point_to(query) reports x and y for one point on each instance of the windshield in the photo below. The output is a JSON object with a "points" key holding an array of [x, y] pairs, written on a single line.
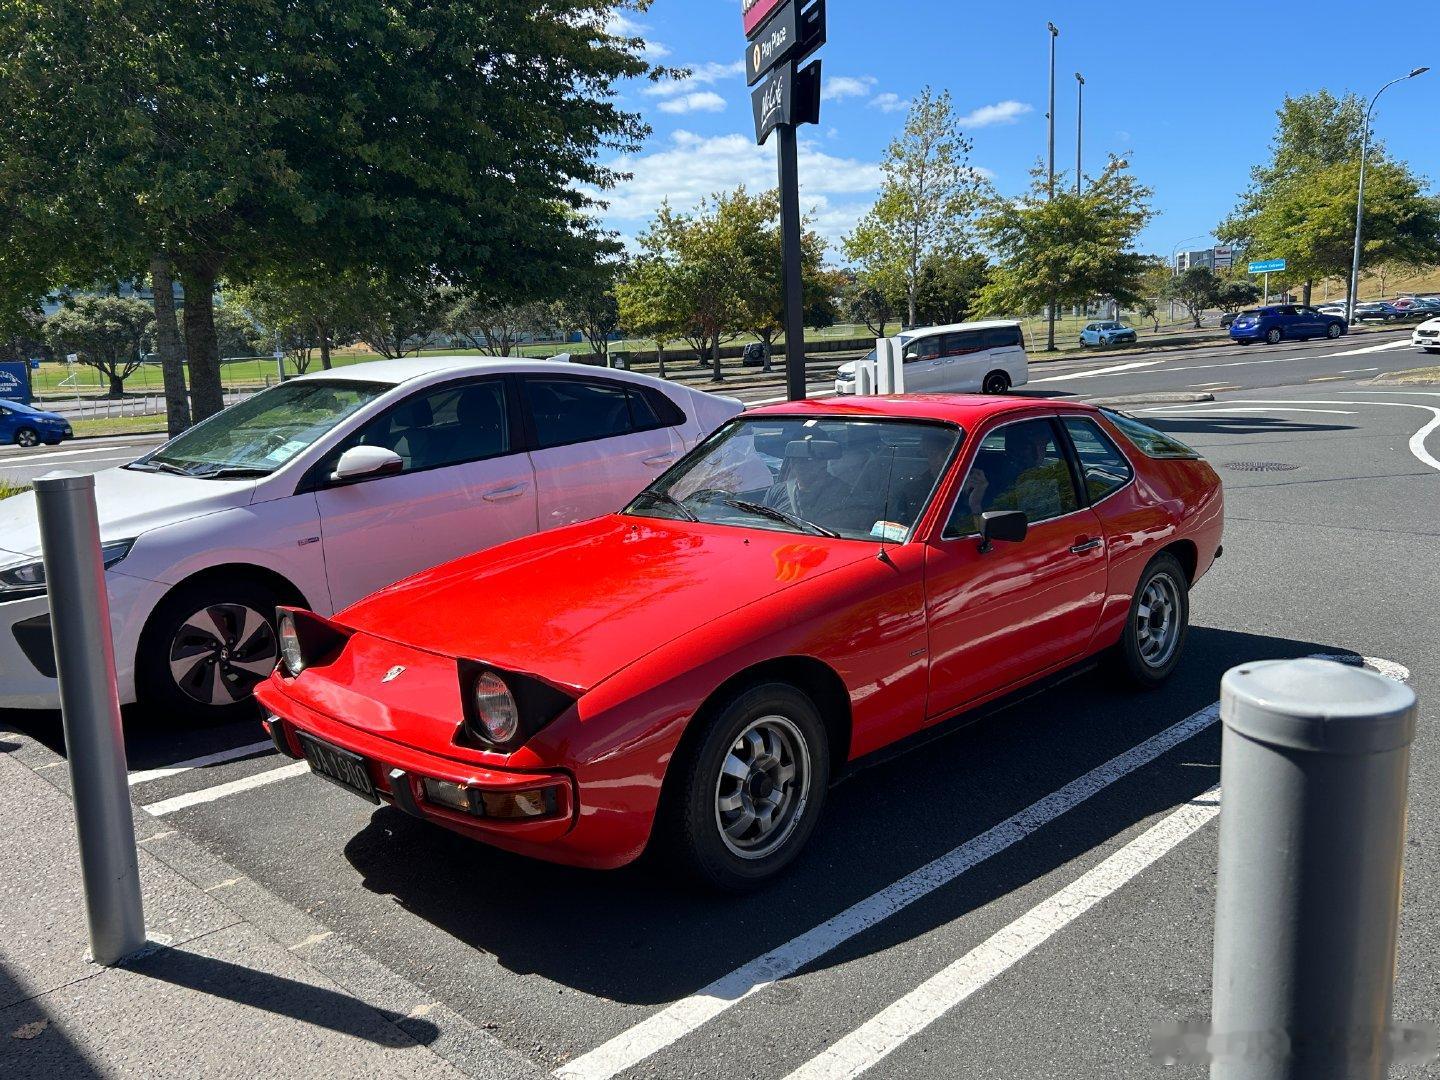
{"points": [[839, 477], [257, 436]]}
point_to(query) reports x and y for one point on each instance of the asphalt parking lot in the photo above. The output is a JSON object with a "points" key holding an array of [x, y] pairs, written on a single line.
{"points": [[1029, 896]]}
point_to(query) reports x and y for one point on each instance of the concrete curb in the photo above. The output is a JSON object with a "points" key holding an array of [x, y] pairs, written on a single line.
{"points": [[1158, 398], [460, 1043]]}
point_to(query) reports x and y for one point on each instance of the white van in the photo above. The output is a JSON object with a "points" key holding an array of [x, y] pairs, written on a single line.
{"points": [[977, 357]]}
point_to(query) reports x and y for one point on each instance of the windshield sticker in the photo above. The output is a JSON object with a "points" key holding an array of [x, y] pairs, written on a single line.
{"points": [[890, 530], [286, 450]]}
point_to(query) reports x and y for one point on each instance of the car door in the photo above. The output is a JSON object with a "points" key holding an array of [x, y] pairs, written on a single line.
{"points": [[998, 617], [1309, 322], [924, 365], [964, 361], [595, 442], [467, 484]]}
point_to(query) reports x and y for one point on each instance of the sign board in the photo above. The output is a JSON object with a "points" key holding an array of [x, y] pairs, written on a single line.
{"points": [[1268, 266], [787, 97], [1224, 258], [15, 381], [788, 35], [755, 12]]}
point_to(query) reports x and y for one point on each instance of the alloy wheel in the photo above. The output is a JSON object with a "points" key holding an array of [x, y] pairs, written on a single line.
{"points": [[27, 437], [221, 652], [1157, 620], [763, 787]]}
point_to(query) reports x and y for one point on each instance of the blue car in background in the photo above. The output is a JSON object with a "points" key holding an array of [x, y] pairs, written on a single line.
{"points": [[25, 425], [1285, 322], [1107, 333]]}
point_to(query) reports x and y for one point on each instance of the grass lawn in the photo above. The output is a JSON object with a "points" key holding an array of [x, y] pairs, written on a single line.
{"points": [[7, 489], [120, 425], [1413, 375]]}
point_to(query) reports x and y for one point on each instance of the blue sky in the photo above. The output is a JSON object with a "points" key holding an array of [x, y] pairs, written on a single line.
{"points": [[1189, 90]]}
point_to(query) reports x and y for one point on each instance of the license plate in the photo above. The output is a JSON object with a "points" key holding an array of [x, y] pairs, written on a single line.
{"points": [[338, 766]]}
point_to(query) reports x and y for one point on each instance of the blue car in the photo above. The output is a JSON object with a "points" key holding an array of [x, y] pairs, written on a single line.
{"points": [[1285, 322], [24, 425], [1101, 334]]}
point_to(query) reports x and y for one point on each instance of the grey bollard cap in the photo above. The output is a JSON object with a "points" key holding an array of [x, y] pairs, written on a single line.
{"points": [[63, 480], [1317, 705]]}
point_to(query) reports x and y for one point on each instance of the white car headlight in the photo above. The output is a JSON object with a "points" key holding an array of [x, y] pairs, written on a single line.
{"points": [[24, 579]]}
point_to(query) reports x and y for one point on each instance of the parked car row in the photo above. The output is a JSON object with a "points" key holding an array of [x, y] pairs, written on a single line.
{"points": [[1285, 322]]}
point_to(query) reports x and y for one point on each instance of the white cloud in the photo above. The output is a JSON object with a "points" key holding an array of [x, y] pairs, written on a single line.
{"points": [[704, 101], [1002, 112], [618, 25], [706, 74], [837, 190], [845, 86], [888, 102]]}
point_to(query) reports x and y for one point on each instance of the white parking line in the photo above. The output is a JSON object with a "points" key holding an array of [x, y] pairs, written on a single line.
{"points": [[1113, 370], [679, 1019], [868, 1044], [146, 775], [204, 795], [49, 455], [1385, 347]]}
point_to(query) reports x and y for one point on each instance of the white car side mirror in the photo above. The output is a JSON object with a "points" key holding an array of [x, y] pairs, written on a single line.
{"points": [[361, 461]]}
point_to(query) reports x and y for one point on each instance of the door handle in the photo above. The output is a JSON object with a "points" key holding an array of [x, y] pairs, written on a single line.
{"points": [[514, 491], [1086, 545], [661, 459]]}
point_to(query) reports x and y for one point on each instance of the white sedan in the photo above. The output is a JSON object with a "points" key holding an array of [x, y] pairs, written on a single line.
{"points": [[1427, 336], [326, 488]]}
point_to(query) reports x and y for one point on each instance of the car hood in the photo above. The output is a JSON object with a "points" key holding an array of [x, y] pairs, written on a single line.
{"points": [[575, 605], [1430, 324], [129, 503]]}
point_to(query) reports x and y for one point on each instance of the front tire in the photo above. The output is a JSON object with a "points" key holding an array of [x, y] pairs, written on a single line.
{"points": [[997, 382], [750, 789], [27, 437], [1273, 336], [1157, 623], [206, 646]]}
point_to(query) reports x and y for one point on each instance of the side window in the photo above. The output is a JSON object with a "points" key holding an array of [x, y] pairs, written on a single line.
{"points": [[650, 408], [1000, 337], [577, 410], [924, 349], [1148, 440], [442, 427], [963, 343], [1020, 466], [1105, 468]]}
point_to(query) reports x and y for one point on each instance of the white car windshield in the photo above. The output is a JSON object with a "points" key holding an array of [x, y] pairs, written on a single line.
{"points": [[257, 436], [832, 476]]}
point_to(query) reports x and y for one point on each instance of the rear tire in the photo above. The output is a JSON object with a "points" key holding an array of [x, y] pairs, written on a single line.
{"points": [[997, 382], [1156, 624], [1333, 331], [205, 648], [749, 790], [1273, 336], [27, 436]]}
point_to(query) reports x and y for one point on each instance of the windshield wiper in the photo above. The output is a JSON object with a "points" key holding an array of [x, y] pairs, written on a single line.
{"points": [[776, 514], [225, 471], [670, 500], [159, 466]]}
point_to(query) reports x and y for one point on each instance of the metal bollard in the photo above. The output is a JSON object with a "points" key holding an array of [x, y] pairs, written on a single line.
{"points": [[90, 707], [1312, 835]]}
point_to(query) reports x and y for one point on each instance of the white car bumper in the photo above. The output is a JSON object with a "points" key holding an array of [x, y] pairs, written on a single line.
{"points": [[844, 386], [1425, 339], [27, 658]]}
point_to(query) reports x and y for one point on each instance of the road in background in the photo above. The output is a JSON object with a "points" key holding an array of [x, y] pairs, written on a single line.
{"points": [[81, 455], [1030, 896]]}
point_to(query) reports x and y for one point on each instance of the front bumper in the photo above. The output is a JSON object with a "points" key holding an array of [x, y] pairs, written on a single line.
{"points": [[27, 659], [397, 772], [1425, 339], [844, 386]]}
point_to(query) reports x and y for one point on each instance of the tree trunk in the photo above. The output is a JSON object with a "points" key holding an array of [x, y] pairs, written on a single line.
{"points": [[324, 346], [715, 373], [202, 347], [1305, 295], [117, 385], [660, 357], [167, 344]]}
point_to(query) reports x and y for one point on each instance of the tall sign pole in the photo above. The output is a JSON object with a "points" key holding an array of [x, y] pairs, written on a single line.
{"points": [[1079, 126], [1050, 170], [780, 34]]}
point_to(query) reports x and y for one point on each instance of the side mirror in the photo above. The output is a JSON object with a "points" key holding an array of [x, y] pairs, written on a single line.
{"points": [[363, 461], [1008, 525]]}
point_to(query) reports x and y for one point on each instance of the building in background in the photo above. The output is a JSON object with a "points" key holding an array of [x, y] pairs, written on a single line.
{"points": [[1218, 259]]}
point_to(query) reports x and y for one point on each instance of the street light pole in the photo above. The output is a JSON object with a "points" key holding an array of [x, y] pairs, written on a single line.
{"points": [[1173, 271], [1079, 125], [1360, 193], [1050, 168]]}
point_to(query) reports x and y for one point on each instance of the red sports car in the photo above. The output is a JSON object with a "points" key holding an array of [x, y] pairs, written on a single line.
{"points": [[813, 582]]}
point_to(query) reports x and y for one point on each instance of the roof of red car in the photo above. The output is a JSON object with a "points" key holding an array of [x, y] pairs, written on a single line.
{"points": [[963, 409]]}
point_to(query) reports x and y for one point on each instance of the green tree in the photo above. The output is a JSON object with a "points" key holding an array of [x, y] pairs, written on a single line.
{"points": [[1068, 248], [590, 305], [1235, 293], [862, 301], [399, 316], [401, 141], [950, 287], [927, 196], [495, 326], [1153, 284], [307, 308], [108, 333], [1196, 290], [1300, 204], [647, 296], [754, 224]]}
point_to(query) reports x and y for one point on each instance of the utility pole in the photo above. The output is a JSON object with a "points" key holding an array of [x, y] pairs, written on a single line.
{"points": [[1079, 126], [1050, 168], [1360, 194]]}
